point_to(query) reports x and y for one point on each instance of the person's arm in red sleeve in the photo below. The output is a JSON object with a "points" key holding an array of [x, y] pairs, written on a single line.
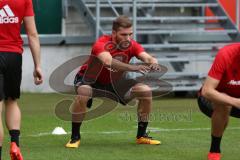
{"points": [[215, 74]]}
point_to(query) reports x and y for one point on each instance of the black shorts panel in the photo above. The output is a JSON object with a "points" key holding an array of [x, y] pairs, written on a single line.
{"points": [[206, 107], [10, 75], [115, 92]]}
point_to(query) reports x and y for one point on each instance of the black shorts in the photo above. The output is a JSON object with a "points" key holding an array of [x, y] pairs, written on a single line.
{"points": [[118, 92], [206, 107], [10, 75]]}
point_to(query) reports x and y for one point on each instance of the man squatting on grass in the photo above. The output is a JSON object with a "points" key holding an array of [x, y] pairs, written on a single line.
{"points": [[220, 95], [114, 52], [13, 13]]}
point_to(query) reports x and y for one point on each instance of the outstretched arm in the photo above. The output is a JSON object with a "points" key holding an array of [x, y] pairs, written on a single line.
{"points": [[30, 27], [209, 91], [108, 61], [147, 58]]}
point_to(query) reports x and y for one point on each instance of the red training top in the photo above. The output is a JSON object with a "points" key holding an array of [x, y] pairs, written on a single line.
{"points": [[226, 69], [102, 74], [12, 13]]}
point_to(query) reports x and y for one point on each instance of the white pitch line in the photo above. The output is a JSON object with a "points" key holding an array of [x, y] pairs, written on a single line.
{"points": [[124, 132]]}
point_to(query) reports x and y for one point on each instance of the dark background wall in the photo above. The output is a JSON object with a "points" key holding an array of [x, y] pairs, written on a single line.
{"points": [[48, 16]]}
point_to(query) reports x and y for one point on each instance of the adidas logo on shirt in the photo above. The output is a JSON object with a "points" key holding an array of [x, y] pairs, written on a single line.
{"points": [[7, 16]]}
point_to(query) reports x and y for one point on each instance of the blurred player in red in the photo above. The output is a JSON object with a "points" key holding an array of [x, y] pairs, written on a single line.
{"points": [[220, 94]]}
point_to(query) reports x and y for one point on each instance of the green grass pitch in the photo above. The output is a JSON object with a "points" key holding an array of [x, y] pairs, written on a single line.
{"points": [[178, 123]]}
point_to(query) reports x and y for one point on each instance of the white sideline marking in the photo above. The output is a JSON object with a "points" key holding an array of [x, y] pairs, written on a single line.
{"points": [[124, 132]]}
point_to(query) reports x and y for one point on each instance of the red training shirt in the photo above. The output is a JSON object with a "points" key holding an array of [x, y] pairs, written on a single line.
{"points": [[226, 69], [12, 13], [102, 74]]}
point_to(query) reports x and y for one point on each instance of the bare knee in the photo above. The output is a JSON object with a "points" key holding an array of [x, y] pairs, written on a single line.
{"points": [[142, 91], [84, 93]]}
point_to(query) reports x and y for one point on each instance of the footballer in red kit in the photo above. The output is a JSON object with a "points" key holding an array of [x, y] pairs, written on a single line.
{"points": [[14, 13], [103, 71], [125, 56], [219, 96]]}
